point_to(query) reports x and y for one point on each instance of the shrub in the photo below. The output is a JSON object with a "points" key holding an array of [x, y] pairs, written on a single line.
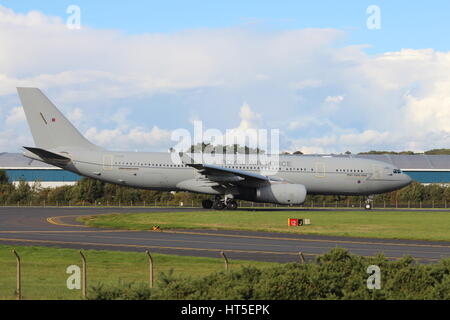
{"points": [[337, 275]]}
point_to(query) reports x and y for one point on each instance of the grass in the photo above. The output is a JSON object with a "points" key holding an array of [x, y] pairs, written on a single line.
{"points": [[418, 225], [44, 269]]}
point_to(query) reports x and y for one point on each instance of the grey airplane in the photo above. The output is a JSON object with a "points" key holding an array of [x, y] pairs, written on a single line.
{"points": [[59, 143]]}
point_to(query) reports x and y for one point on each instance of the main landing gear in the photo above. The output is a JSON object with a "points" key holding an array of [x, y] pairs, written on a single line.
{"points": [[220, 204]]}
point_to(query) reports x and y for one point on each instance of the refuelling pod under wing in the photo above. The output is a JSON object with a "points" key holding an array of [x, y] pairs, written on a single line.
{"points": [[282, 193]]}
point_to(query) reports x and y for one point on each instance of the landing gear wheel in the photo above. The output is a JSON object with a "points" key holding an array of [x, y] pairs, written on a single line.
{"points": [[219, 205], [232, 205], [369, 203], [207, 204]]}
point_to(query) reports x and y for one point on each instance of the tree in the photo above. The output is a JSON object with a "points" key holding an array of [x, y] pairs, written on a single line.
{"points": [[6, 188], [446, 194], [438, 151], [3, 177], [434, 192], [414, 192], [88, 190], [21, 193]]}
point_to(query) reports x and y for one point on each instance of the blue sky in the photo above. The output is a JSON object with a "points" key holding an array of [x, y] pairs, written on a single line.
{"points": [[405, 24], [138, 70]]}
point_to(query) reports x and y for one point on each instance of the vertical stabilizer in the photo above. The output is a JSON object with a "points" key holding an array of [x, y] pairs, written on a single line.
{"points": [[49, 127]]}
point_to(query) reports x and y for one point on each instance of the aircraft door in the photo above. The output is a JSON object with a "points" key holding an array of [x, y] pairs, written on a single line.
{"points": [[108, 160], [320, 170], [377, 172]]}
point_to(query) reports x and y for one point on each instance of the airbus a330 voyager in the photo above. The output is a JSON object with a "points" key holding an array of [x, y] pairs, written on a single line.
{"points": [[59, 143]]}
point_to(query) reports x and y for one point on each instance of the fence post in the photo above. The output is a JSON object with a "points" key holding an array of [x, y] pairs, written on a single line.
{"points": [[150, 262], [83, 259], [18, 277], [302, 257], [225, 260]]}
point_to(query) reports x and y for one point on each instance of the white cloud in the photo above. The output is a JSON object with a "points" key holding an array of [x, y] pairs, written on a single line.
{"points": [[306, 84], [249, 118], [247, 131], [323, 97], [311, 150], [76, 115], [368, 137], [15, 116], [334, 99], [133, 139]]}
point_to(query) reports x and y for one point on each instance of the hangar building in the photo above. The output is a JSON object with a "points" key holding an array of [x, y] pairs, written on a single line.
{"points": [[421, 167], [18, 168]]}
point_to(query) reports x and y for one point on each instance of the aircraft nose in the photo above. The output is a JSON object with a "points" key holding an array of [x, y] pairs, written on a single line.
{"points": [[407, 180]]}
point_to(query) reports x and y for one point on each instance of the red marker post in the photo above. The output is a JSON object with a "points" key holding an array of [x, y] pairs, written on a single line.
{"points": [[295, 222], [292, 222]]}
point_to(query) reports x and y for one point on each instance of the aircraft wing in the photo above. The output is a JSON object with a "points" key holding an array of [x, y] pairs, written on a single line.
{"points": [[226, 175]]}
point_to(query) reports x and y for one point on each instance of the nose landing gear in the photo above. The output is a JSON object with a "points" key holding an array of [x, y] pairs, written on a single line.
{"points": [[369, 203]]}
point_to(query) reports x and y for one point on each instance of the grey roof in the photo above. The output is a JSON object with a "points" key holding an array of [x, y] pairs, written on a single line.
{"points": [[17, 160], [415, 162], [419, 161]]}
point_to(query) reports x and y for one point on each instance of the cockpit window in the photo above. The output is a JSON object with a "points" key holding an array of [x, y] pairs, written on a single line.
{"points": [[397, 171]]}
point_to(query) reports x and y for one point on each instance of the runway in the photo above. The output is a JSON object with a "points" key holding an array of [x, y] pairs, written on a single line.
{"points": [[57, 227]]}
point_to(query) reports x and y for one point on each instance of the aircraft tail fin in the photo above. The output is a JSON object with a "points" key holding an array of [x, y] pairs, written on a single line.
{"points": [[49, 127]]}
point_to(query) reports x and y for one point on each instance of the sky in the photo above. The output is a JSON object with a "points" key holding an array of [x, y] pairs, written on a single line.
{"points": [[330, 76]]}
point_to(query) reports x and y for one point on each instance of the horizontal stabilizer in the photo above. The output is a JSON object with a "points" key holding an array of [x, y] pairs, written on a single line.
{"points": [[49, 156]]}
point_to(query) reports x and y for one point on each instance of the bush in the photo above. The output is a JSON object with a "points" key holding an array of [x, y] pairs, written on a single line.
{"points": [[337, 275], [127, 291]]}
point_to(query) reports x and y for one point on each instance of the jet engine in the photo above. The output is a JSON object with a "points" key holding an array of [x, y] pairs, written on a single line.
{"points": [[282, 193]]}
